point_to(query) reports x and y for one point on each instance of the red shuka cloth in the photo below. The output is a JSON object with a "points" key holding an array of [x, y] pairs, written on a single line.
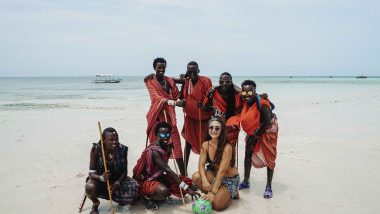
{"points": [[265, 150], [149, 176], [250, 116], [145, 168], [220, 105], [149, 187], [195, 125], [159, 111]]}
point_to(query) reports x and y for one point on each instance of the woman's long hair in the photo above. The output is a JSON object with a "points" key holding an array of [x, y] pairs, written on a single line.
{"points": [[222, 140]]}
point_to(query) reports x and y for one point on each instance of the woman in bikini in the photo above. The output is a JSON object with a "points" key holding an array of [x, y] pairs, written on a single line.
{"points": [[217, 175]]}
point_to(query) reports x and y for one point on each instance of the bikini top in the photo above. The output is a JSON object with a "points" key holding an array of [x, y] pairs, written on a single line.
{"points": [[208, 159]]}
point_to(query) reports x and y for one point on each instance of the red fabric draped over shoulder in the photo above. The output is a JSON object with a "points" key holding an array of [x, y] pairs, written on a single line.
{"points": [[192, 94], [250, 116], [159, 111]]}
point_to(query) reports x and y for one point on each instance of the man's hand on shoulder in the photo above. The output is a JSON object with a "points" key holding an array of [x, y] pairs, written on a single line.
{"points": [[264, 95], [149, 77]]}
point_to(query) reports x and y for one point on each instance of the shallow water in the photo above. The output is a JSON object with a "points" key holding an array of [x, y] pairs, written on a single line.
{"points": [[41, 93]]}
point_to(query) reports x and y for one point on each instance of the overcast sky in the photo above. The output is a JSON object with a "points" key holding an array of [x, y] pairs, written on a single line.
{"points": [[253, 37]]}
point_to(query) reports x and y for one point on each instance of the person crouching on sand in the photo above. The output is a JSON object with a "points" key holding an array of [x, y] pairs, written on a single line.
{"points": [[157, 180], [124, 189], [220, 178]]}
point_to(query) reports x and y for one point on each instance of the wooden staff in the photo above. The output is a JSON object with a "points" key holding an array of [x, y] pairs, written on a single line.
{"points": [[237, 153], [105, 167], [175, 164], [184, 151], [146, 142], [82, 202], [176, 170], [200, 130]]}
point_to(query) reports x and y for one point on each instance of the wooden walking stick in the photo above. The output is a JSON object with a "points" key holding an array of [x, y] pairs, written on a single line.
{"points": [[200, 130], [176, 170], [175, 164], [186, 159], [105, 167], [82, 202], [237, 153], [146, 142]]}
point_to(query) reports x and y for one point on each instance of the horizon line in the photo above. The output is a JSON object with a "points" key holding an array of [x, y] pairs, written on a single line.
{"points": [[328, 76]]}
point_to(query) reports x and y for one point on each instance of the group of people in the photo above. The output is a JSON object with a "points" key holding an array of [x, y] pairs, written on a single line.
{"points": [[214, 117]]}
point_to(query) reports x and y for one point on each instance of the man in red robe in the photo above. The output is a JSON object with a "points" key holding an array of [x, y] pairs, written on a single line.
{"points": [[163, 94], [157, 181], [260, 124], [224, 100], [194, 90]]}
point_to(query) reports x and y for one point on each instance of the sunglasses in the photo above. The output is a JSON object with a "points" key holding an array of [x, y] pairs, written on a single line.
{"points": [[244, 93], [216, 128], [164, 135], [225, 81]]}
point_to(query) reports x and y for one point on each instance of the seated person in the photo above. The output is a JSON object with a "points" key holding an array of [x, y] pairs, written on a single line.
{"points": [[124, 189], [220, 178], [157, 181]]}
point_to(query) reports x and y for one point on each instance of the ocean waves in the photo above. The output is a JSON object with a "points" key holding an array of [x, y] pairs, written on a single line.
{"points": [[32, 106]]}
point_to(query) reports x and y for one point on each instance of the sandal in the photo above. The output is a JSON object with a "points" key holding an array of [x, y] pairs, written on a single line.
{"points": [[268, 193], [244, 185], [150, 204]]}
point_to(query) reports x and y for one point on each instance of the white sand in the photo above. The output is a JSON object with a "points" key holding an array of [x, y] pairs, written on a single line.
{"points": [[328, 150]]}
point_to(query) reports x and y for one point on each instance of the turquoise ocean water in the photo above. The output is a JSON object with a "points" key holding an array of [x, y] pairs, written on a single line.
{"points": [[42, 93]]}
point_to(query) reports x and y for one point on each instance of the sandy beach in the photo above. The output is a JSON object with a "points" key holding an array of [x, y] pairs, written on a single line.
{"points": [[328, 149]]}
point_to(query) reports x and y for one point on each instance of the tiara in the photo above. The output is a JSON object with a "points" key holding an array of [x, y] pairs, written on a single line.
{"points": [[218, 113]]}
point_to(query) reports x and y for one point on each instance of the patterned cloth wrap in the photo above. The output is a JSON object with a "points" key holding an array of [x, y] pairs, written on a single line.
{"points": [[129, 188], [232, 183], [128, 192]]}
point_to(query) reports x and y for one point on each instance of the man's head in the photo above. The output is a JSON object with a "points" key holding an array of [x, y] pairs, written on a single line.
{"points": [[248, 90], [159, 65], [163, 131], [225, 81], [192, 70], [110, 139]]}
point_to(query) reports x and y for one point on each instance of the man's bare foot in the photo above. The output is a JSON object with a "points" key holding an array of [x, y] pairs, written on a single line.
{"points": [[94, 209]]}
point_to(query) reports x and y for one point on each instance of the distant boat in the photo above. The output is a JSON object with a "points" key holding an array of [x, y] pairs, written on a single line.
{"points": [[106, 78], [361, 77]]}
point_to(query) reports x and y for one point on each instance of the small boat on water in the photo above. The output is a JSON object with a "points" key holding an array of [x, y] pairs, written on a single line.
{"points": [[106, 78], [361, 77]]}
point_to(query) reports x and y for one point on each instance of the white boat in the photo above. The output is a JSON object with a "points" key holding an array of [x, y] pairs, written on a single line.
{"points": [[361, 77], [106, 78]]}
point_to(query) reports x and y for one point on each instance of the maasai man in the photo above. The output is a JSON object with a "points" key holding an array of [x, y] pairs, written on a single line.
{"points": [[225, 101], [157, 180], [193, 92], [163, 94], [260, 124], [124, 189]]}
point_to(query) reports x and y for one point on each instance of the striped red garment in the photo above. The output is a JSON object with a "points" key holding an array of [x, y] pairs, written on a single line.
{"points": [[159, 111], [265, 151]]}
